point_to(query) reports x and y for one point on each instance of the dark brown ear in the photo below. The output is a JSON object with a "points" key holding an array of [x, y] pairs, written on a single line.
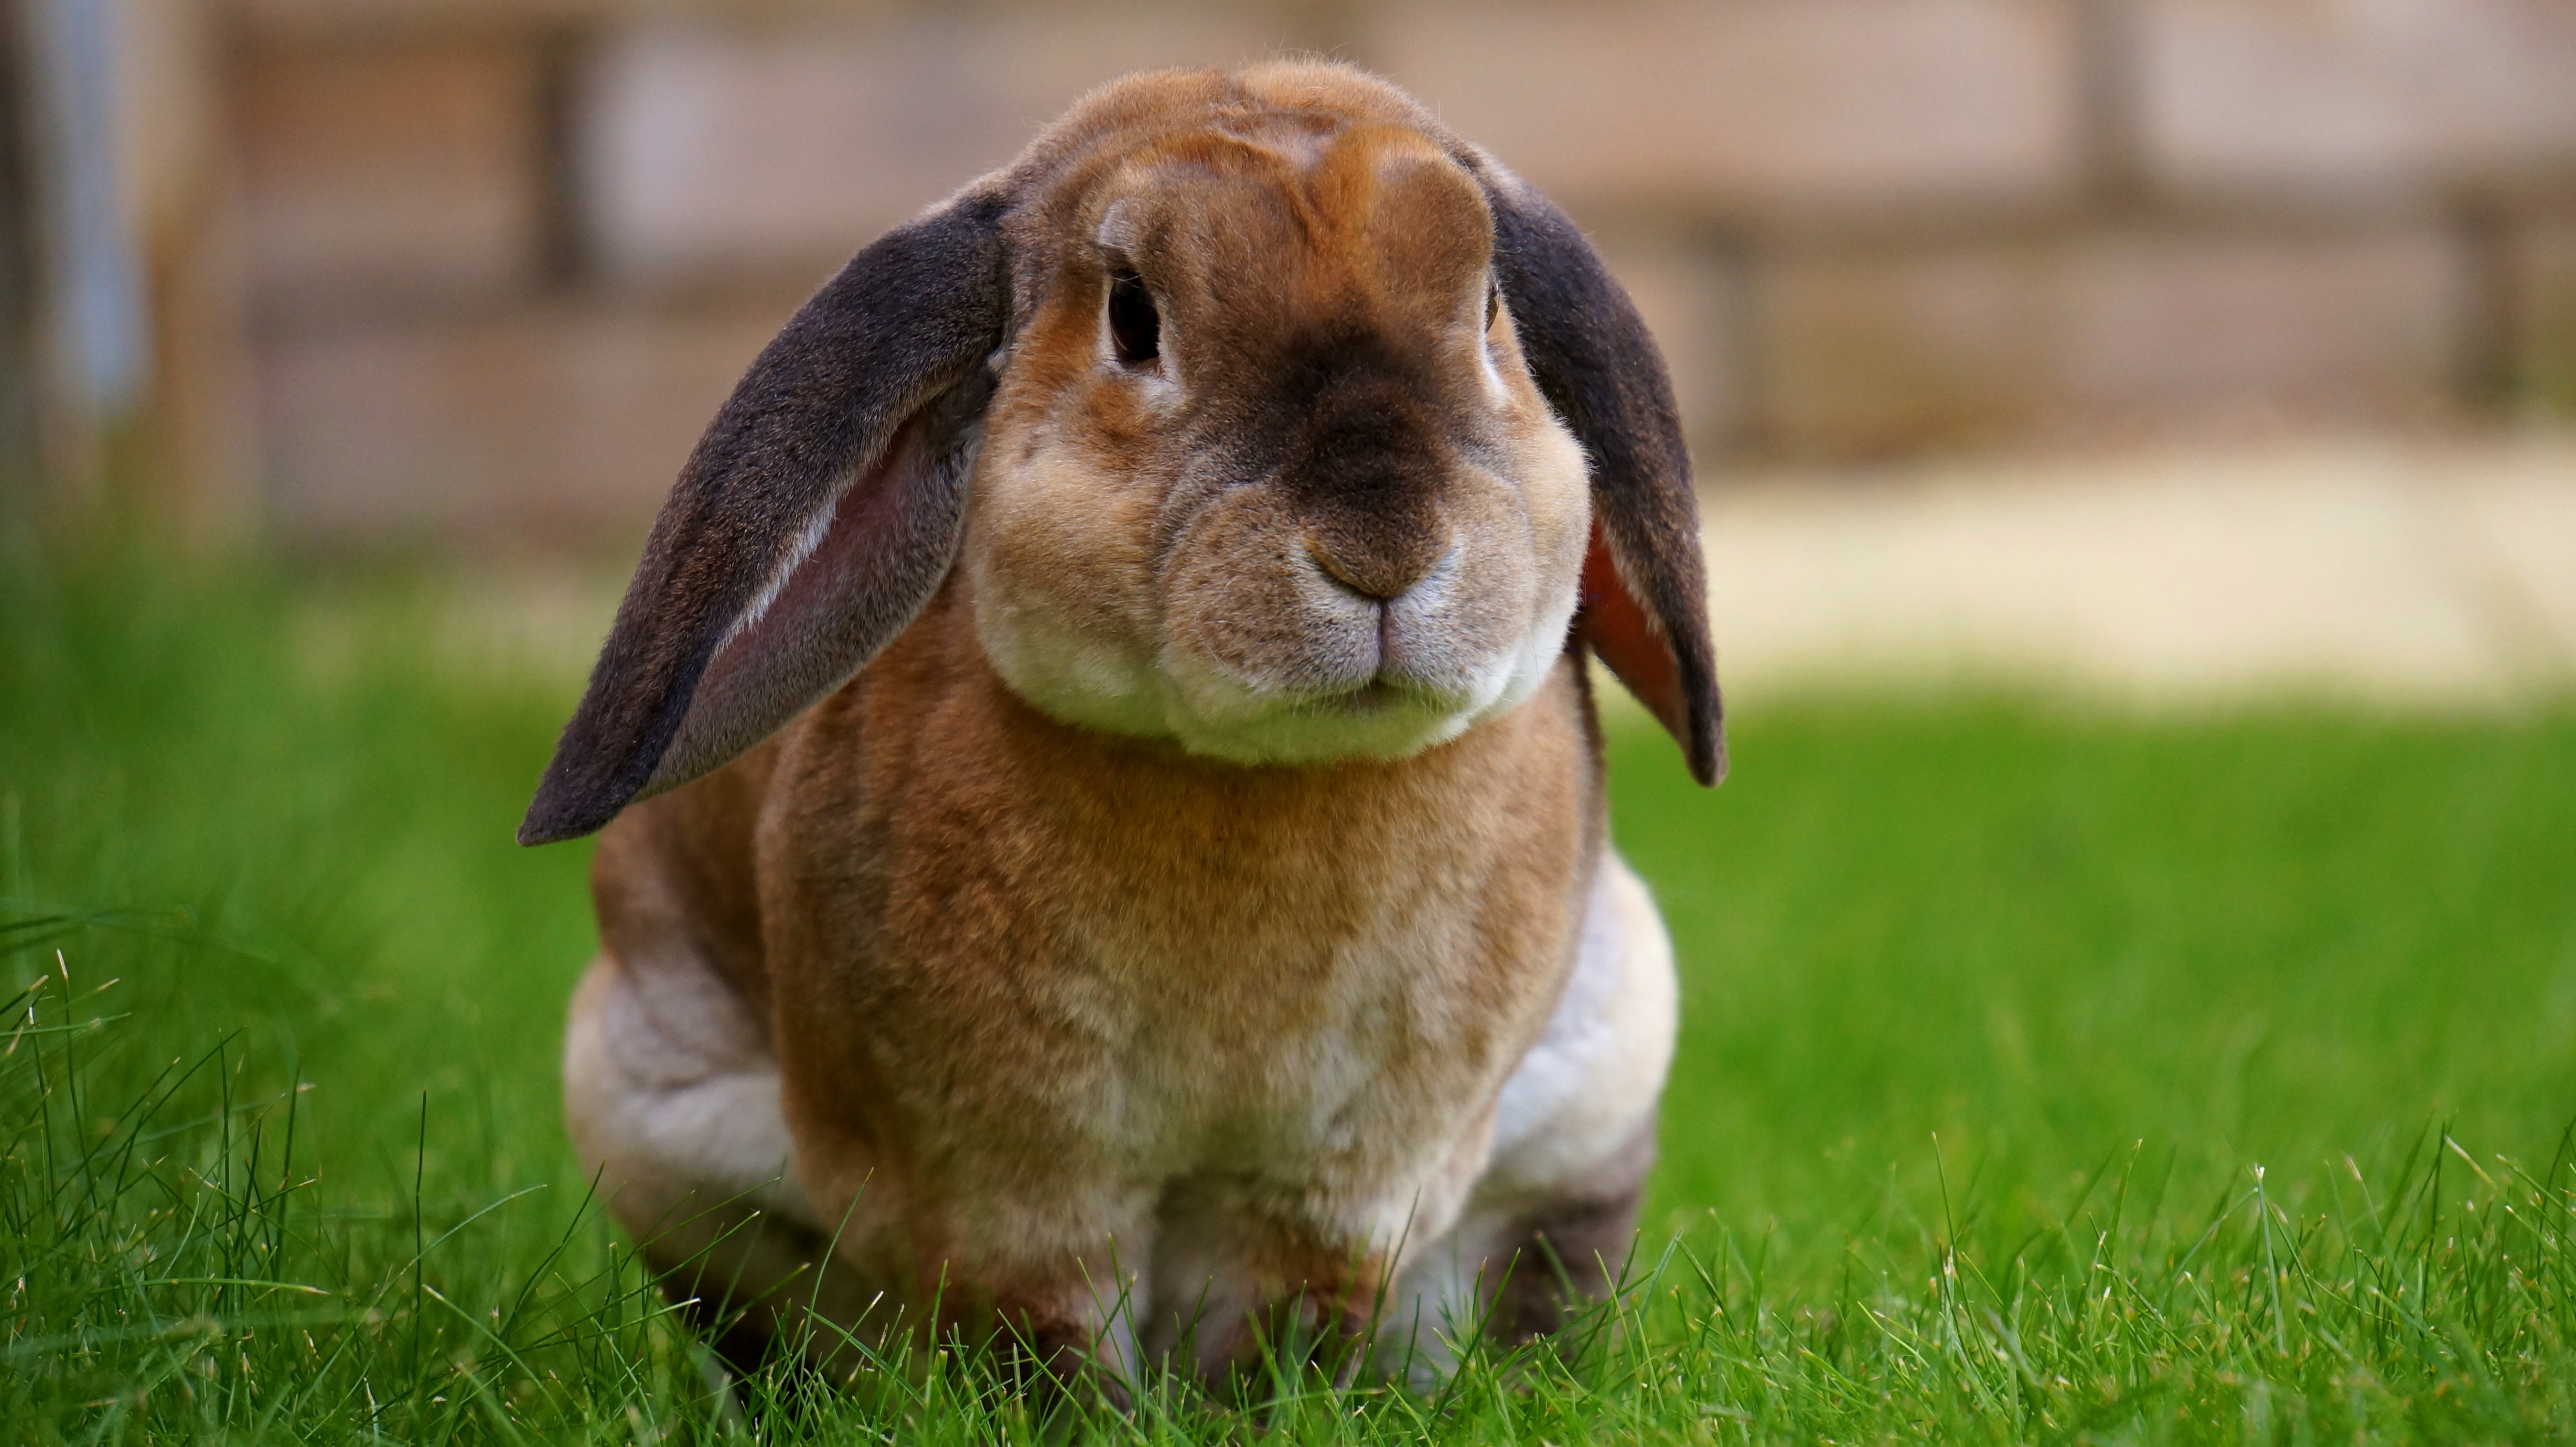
{"points": [[1645, 609], [816, 517]]}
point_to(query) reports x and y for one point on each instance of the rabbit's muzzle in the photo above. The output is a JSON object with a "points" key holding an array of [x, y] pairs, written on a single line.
{"points": [[1374, 592], [1389, 621]]}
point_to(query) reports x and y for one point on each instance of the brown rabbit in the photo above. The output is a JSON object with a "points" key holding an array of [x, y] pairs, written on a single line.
{"points": [[1121, 857]]}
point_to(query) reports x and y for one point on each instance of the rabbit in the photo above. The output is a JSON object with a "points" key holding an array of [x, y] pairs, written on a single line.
{"points": [[1105, 847]]}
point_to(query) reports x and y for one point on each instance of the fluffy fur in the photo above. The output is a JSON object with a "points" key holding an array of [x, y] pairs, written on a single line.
{"points": [[1175, 871]]}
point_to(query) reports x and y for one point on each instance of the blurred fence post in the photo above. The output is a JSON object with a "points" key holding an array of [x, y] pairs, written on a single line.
{"points": [[92, 345], [124, 392], [20, 446]]}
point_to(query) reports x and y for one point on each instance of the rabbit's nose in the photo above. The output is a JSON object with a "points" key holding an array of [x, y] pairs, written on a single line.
{"points": [[1379, 573]]}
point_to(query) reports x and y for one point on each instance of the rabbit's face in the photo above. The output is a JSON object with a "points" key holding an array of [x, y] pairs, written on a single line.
{"points": [[1266, 472]]}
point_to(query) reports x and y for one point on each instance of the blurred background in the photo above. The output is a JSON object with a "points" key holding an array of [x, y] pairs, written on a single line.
{"points": [[2189, 343]]}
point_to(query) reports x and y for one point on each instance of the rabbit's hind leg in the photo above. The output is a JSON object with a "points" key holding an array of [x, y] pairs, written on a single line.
{"points": [[1552, 1219], [673, 1103]]}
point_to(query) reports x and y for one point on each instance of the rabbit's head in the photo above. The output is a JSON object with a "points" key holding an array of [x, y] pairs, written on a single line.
{"points": [[1261, 416]]}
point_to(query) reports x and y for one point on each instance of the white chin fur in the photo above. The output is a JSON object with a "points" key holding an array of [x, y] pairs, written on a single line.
{"points": [[1212, 711], [1209, 709], [1064, 673]]}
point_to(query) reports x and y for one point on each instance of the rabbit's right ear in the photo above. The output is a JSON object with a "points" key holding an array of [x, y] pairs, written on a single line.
{"points": [[815, 519]]}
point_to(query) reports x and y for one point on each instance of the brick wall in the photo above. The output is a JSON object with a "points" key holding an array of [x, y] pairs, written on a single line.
{"points": [[504, 259]]}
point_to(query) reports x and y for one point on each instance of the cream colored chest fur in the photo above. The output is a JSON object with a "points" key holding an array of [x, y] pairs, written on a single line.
{"points": [[1267, 1052]]}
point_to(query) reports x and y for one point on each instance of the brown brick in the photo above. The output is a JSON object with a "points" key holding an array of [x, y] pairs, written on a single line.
{"points": [[1881, 351], [390, 170], [705, 148], [2542, 289], [2250, 96], [552, 424], [1752, 103]]}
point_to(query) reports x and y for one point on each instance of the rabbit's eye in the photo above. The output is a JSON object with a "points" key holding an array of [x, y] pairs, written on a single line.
{"points": [[1134, 326], [1493, 303]]}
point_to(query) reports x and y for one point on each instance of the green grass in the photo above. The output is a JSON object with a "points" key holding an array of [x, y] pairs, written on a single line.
{"points": [[2046, 1073]]}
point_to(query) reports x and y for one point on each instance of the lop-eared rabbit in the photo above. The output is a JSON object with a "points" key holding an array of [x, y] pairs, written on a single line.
{"points": [[1105, 841]]}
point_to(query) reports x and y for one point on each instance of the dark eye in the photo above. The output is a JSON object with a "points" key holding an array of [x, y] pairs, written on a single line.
{"points": [[1134, 326], [1493, 303]]}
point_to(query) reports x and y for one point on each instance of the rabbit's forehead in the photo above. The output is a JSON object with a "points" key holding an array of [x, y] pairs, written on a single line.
{"points": [[1271, 216]]}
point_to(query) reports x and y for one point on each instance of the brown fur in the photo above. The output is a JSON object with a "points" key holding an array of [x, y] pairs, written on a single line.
{"points": [[1165, 903]]}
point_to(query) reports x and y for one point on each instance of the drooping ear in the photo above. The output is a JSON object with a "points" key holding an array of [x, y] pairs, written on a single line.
{"points": [[813, 521], [1645, 608]]}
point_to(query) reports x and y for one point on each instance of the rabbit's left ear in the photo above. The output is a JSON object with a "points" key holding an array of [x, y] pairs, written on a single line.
{"points": [[1644, 608]]}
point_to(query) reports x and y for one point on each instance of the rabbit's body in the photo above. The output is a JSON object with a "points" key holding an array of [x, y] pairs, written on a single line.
{"points": [[1015, 1062], [1194, 920]]}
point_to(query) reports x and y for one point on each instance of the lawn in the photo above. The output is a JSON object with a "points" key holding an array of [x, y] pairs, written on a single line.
{"points": [[2047, 1072]]}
